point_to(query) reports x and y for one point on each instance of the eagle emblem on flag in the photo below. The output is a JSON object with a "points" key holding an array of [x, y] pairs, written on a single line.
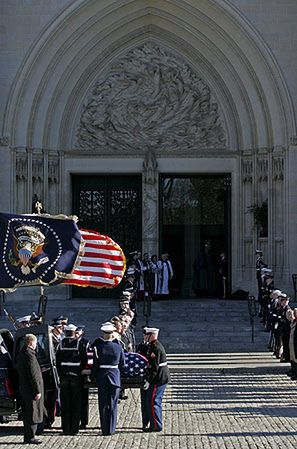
{"points": [[28, 249], [37, 249]]}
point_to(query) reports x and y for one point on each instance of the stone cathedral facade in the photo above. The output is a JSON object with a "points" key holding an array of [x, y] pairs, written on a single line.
{"points": [[192, 102]]}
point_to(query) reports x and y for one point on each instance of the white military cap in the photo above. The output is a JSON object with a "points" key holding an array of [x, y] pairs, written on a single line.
{"points": [[127, 294], [24, 319], [151, 330], [276, 293], [130, 271], [107, 328], [70, 327], [259, 251]]}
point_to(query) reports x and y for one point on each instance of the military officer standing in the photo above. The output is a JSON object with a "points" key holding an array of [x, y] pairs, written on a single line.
{"points": [[84, 418], [109, 360], [259, 265], [71, 358], [157, 378]]}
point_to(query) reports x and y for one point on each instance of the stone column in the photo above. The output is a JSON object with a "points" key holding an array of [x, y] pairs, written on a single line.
{"points": [[247, 170], [290, 181], [5, 179], [150, 230]]}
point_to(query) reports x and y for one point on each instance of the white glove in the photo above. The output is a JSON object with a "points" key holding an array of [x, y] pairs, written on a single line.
{"points": [[146, 385]]}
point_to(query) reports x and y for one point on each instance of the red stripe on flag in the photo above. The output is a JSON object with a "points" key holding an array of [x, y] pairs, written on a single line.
{"points": [[107, 256], [101, 265]]}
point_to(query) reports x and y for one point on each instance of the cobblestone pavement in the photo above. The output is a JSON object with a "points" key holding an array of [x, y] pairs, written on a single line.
{"points": [[203, 408]]}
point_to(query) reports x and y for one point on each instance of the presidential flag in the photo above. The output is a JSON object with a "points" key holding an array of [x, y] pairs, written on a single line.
{"points": [[37, 249], [102, 263]]}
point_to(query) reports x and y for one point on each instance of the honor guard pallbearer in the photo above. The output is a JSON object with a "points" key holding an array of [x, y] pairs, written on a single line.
{"points": [[156, 380], [109, 361], [71, 358]]}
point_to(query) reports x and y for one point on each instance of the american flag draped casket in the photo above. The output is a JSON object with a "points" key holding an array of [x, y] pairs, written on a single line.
{"points": [[136, 366]]}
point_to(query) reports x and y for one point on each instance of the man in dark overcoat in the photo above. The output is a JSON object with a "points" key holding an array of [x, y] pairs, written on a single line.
{"points": [[30, 388]]}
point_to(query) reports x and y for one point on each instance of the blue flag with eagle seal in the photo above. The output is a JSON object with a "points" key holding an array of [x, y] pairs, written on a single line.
{"points": [[37, 249]]}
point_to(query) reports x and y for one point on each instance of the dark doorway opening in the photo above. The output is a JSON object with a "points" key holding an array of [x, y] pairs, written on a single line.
{"points": [[110, 205], [195, 228]]}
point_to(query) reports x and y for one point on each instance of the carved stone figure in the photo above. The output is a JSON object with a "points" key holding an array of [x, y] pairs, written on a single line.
{"points": [[150, 167], [150, 97]]}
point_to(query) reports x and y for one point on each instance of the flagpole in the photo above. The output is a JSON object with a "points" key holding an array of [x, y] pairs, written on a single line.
{"points": [[37, 208]]}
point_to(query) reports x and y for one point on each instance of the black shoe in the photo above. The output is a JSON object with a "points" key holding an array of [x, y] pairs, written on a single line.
{"points": [[124, 397], [33, 441], [83, 426], [293, 377], [147, 429]]}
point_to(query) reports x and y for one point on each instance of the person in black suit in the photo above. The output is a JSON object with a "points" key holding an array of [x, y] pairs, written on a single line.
{"points": [[109, 361], [30, 388]]}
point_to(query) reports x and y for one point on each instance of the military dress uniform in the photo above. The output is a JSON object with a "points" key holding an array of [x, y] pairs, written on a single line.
{"points": [[109, 361], [285, 333], [84, 417], [259, 265], [71, 358], [158, 377]]}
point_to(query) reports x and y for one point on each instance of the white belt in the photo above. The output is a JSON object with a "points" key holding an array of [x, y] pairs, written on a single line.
{"points": [[108, 366], [163, 364], [70, 363]]}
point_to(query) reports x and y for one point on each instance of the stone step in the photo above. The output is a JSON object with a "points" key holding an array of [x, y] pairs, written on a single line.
{"points": [[185, 325]]}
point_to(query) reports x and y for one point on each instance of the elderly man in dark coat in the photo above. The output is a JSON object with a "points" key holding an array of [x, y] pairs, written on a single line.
{"points": [[30, 389]]}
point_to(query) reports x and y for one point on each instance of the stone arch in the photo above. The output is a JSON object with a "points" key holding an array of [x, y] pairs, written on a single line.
{"points": [[64, 62]]}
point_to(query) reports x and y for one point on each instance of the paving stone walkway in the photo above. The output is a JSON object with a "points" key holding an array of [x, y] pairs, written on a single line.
{"points": [[246, 408]]}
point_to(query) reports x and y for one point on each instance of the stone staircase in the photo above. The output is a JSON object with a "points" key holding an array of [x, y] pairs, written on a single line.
{"points": [[202, 326]]}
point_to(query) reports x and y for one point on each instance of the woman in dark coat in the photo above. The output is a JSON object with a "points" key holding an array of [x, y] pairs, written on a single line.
{"points": [[30, 388]]}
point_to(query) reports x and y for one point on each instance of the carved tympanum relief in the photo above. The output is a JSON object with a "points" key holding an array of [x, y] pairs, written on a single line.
{"points": [[150, 97]]}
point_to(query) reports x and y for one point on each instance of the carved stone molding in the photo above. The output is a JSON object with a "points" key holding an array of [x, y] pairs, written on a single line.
{"points": [[150, 167], [278, 169], [53, 171], [247, 171], [21, 167], [262, 169], [150, 214], [4, 141], [37, 169], [293, 140], [150, 97]]}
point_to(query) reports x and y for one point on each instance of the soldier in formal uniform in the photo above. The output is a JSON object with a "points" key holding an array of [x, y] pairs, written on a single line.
{"points": [[130, 292], [30, 388], [84, 416], [23, 321], [285, 327], [109, 360], [259, 265], [157, 378], [51, 395], [267, 289], [293, 345], [71, 358]]}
